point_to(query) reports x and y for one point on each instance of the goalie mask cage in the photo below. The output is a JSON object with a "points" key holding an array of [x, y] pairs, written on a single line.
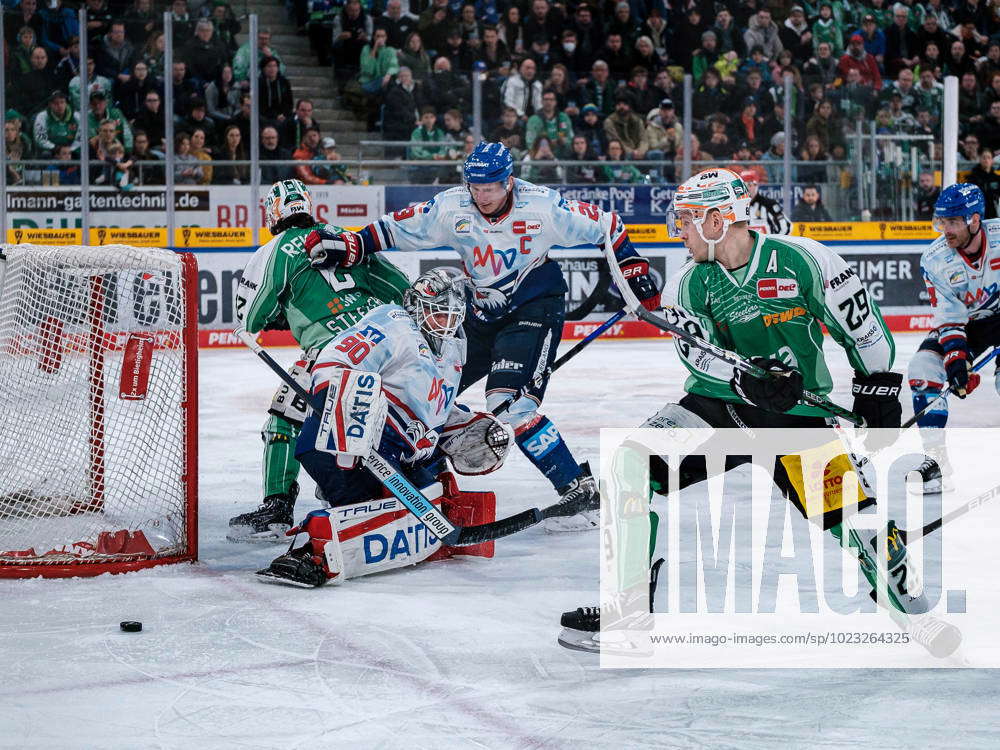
{"points": [[98, 393]]}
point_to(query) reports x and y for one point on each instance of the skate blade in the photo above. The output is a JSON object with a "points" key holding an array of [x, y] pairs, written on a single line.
{"points": [[578, 640], [612, 643], [268, 576], [245, 535]]}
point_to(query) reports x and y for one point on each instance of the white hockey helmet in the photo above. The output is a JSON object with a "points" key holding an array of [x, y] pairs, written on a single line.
{"points": [[436, 302], [711, 189], [286, 198]]}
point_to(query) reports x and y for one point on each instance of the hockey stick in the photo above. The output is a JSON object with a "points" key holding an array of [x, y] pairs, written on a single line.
{"points": [[979, 364], [401, 487], [975, 502], [632, 304], [537, 381]]}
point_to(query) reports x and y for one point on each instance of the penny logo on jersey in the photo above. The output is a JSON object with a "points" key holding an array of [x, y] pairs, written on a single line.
{"points": [[777, 288]]}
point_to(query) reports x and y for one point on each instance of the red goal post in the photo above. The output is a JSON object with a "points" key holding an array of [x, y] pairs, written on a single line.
{"points": [[99, 401]]}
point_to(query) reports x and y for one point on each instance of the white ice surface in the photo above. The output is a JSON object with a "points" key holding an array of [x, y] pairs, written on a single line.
{"points": [[459, 654]]}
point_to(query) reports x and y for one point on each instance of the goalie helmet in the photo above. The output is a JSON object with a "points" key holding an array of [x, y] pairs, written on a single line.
{"points": [[711, 189], [285, 199], [436, 302]]}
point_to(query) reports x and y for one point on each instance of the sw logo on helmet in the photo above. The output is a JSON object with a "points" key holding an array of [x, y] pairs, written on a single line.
{"points": [[777, 288]]}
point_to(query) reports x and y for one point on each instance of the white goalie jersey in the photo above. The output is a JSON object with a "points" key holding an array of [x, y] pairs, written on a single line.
{"points": [[961, 291]]}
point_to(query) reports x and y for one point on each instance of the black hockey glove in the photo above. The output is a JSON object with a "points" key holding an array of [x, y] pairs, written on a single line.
{"points": [[876, 399], [778, 391], [327, 248], [957, 360]]}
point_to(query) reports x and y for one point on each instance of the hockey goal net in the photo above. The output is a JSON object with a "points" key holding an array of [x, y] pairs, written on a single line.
{"points": [[98, 409]]}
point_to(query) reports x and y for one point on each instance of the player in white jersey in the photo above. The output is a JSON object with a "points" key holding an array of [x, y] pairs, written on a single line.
{"points": [[389, 383], [962, 272], [503, 229]]}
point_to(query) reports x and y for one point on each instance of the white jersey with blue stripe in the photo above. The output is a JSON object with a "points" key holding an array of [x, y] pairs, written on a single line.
{"points": [[506, 257], [961, 291], [419, 385]]}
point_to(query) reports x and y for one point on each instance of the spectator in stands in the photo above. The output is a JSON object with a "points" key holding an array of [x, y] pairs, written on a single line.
{"points": [[25, 15], [663, 134], [687, 36], [821, 68], [625, 174], [697, 154], [763, 32], [968, 147], [589, 35], [827, 28], [187, 166], [855, 99], [60, 26], [101, 113], [728, 35], [986, 177], [493, 53], [551, 123], [931, 31], [664, 87], [583, 173], [774, 158], [522, 90], [131, 94], [306, 152], [397, 25], [925, 195], [970, 102], [95, 82], [628, 128], [717, 143], [272, 150], [428, 132], [141, 21], [559, 84], [644, 55], [64, 171], [231, 150], [812, 151], [975, 43], [874, 39], [152, 54], [543, 21], [826, 126], [810, 208], [146, 170], [958, 61], [227, 26], [99, 144], [118, 167], [447, 89], [99, 19], [150, 120], [599, 89], [205, 54], [331, 174], [943, 15], [222, 96], [56, 125], [857, 59], [241, 61], [20, 56], [199, 119], [573, 57], [414, 56], [456, 50], [902, 48], [991, 64], [510, 130], [756, 62], [992, 93], [932, 59], [655, 28], [705, 56], [115, 54], [68, 66], [710, 96], [795, 35], [547, 173], [510, 32], [755, 90], [275, 92], [402, 102], [183, 23], [291, 130], [30, 89], [434, 24], [591, 127], [989, 128], [748, 126], [541, 52], [453, 126], [352, 29], [17, 145], [617, 57], [184, 89], [469, 27], [378, 67]]}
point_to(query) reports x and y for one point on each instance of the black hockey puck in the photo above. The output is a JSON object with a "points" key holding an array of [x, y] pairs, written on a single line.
{"points": [[130, 626]]}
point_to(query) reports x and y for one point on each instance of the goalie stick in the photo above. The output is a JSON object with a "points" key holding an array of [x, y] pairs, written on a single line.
{"points": [[632, 304], [979, 364], [394, 481], [541, 377]]}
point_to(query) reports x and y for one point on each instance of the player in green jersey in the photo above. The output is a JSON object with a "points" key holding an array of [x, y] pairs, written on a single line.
{"points": [[279, 289], [764, 297]]}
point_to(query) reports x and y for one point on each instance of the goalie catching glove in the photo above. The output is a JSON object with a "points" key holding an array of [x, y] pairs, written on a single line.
{"points": [[476, 442], [778, 391], [327, 248]]}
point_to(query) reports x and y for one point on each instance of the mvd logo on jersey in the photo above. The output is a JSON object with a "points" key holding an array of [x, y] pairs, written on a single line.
{"points": [[497, 260], [441, 393], [777, 288]]}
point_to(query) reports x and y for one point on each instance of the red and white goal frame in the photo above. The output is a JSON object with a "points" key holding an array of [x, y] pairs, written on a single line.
{"points": [[98, 409]]}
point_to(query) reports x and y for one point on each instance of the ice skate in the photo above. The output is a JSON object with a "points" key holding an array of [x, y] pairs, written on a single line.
{"points": [[269, 522]]}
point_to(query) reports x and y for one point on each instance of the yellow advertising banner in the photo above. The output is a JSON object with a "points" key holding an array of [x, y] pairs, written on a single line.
{"points": [[31, 236], [132, 236], [211, 237], [833, 231]]}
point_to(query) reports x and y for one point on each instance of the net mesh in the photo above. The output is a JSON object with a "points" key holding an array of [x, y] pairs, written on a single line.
{"points": [[93, 444]]}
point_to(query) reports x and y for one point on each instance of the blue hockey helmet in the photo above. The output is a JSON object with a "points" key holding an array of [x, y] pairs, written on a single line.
{"points": [[961, 199], [488, 162]]}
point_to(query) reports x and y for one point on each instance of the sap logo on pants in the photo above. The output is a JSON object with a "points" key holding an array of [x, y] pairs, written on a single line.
{"points": [[405, 543], [543, 441]]}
